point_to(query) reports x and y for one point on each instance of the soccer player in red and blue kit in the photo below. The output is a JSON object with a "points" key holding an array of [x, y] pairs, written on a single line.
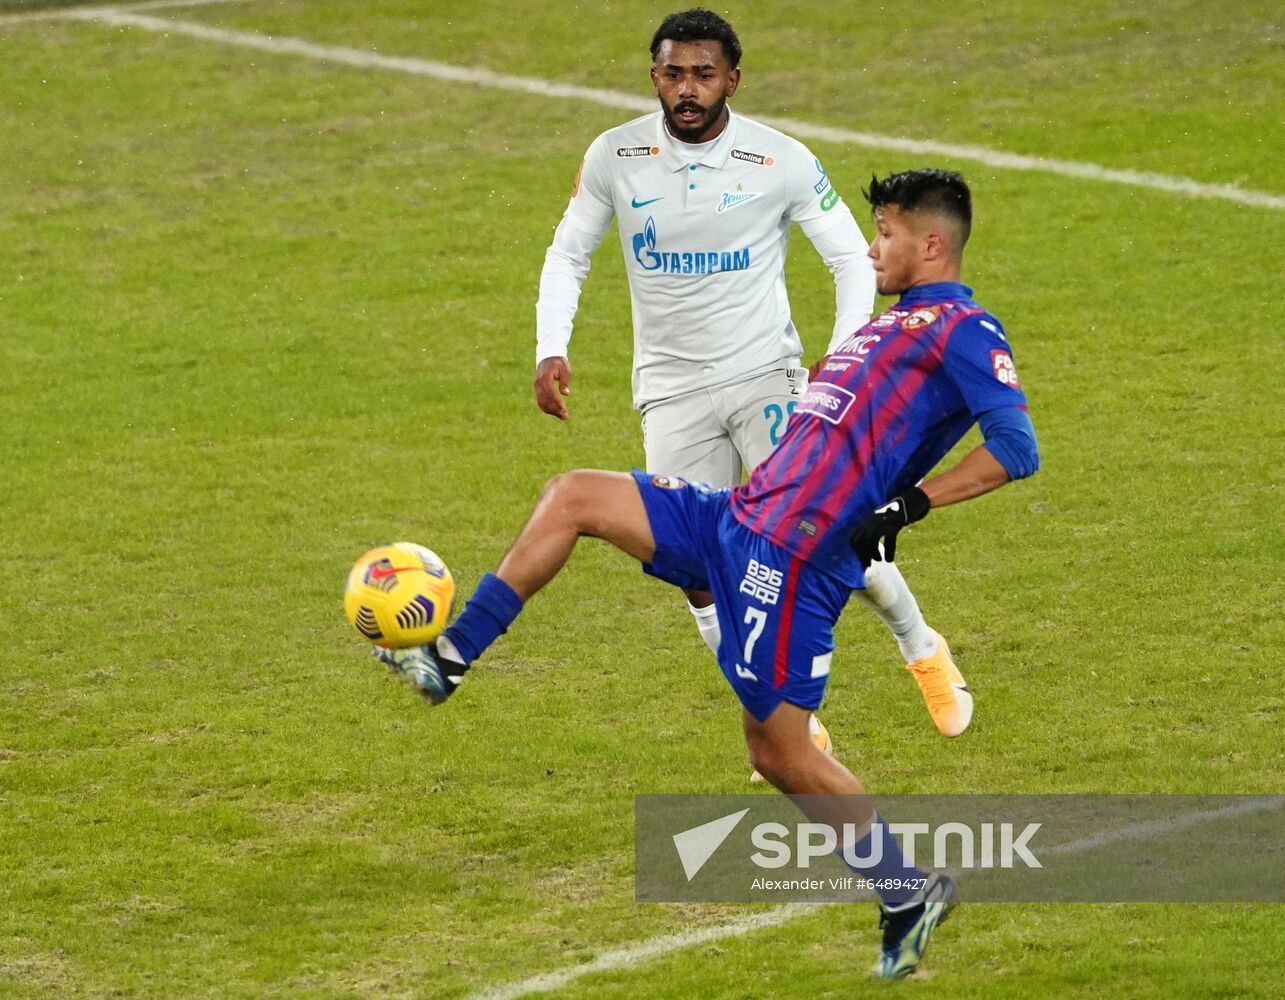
{"points": [[782, 552]]}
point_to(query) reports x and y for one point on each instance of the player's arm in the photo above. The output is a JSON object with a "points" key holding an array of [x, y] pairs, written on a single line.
{"points": [[842, 246], [979, 360], [566, 265], [828, 223], [1009, 451]]}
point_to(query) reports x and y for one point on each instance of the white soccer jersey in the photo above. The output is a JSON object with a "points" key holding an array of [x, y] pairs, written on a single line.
{"points": [[704, 230]]}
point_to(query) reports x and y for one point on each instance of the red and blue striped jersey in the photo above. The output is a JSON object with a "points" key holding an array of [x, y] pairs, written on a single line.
{"points": [[893, 399]]}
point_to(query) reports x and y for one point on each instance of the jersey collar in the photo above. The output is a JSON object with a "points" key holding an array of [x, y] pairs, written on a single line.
{"points": [[936, 291], [714, 157]]}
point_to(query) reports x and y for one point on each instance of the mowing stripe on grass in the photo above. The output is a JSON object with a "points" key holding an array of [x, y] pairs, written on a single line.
{"points": [[621, 958], [633, 102], [60, 14]]}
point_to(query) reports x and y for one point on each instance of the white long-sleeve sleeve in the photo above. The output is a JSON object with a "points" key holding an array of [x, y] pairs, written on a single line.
{"points": [[566, 262], [566, 265], [843, 247]]}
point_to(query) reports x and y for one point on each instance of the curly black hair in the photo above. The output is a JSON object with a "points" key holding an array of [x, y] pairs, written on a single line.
{"points": [[698, 25]]}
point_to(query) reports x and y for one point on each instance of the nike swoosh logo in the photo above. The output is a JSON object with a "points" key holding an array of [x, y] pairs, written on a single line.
{"points": [[378, 574], [639, 204]]}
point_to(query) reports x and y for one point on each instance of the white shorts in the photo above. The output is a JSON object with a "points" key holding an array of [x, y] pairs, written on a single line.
{"points": [[708, 436]]}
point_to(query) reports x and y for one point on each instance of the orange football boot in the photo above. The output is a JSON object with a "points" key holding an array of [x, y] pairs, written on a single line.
{"points": [[945, 691]]}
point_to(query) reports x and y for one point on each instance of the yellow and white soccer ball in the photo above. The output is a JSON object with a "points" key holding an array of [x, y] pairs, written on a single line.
{"points": [[399, 595]]}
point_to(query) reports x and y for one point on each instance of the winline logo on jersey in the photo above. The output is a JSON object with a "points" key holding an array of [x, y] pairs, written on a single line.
{"points": [[684, 261], [1002, 848]]}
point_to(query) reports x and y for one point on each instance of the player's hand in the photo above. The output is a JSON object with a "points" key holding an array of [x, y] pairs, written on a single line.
{"points": [[552, 382], [814, 369], [882, 525]]}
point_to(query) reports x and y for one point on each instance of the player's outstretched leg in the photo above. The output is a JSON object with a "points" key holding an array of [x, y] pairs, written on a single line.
{"points": [[927, 656], [604, 505]]}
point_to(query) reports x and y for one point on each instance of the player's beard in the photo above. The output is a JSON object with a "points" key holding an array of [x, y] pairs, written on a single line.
{"points": [[693, 132]]}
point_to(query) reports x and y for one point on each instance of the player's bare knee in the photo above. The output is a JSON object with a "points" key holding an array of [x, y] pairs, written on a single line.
{"points": [[782, 771], [767, 758], [585, 501], [565, 498], [784, 761], [762, 760]]}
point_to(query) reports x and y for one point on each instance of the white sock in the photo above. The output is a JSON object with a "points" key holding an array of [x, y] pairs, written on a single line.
{"points": [[707, 625], [889, 597]]}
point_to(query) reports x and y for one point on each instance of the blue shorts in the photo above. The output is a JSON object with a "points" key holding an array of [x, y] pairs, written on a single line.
{"points": [[776, 613]]}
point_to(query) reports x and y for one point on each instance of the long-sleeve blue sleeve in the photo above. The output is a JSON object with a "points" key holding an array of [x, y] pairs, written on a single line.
{"points": [[1010, 437]]}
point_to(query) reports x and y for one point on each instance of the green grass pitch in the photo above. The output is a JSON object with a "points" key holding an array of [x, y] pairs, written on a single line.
{"points": [[260, 312]]}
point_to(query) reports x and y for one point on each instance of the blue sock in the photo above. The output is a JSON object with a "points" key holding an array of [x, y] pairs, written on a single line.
{"points": [[486, 617], [881, 860]]}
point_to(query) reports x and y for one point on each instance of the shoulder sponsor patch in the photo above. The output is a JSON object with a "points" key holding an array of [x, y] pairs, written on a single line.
{"points": [[575, 185], [630, 151], [759, 158], [829, 200], [827, 401], [668, 482], [1002, 363], [824, 182]]}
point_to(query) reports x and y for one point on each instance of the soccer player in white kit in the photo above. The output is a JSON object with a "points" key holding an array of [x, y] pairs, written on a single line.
{"points": [[704, 200]]}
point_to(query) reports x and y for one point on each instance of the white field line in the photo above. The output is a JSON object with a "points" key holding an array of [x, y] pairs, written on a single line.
{"points": [[1152, 828], [634, 954], [61, 13], [632, 102], [164, 4], [620, 958]]}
